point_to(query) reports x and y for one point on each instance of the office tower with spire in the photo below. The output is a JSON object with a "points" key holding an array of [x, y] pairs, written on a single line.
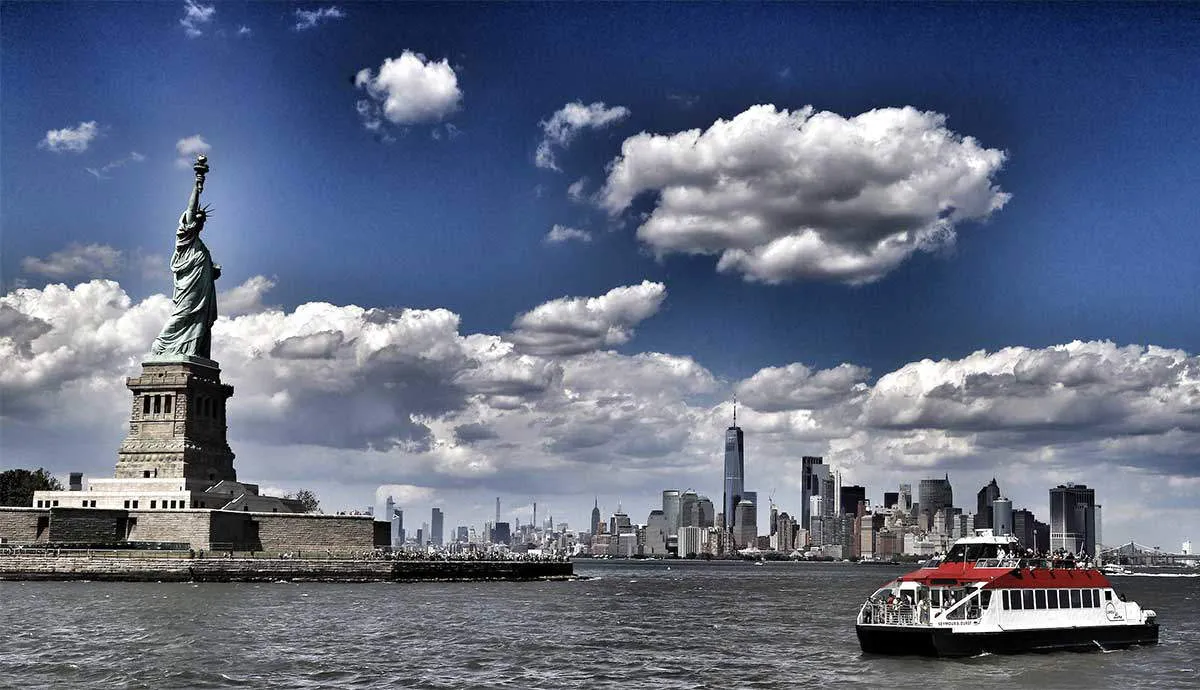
{"points": [[596, 517], [735, 470]]}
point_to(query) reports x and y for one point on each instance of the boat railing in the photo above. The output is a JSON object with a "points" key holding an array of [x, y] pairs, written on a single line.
{"points": [[881, 613]]}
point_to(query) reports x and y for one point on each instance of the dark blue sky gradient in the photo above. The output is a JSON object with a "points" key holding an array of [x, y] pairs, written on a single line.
{"points": [[1095, 105]]}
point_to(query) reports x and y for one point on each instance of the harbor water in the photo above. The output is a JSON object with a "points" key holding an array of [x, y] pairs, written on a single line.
{"points": [[628, 625]]}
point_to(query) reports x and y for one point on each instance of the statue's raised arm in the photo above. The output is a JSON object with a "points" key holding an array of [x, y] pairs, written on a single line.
{"points": [[188, 332], [201, 168]]}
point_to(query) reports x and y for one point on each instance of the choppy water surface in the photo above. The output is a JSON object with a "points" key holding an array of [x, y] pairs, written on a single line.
{"points": [[656, 625]]}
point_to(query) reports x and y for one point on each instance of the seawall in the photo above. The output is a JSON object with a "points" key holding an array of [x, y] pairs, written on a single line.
{"points": [[172, 569]]}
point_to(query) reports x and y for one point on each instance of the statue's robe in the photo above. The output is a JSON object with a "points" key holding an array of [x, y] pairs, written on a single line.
{"points": [[189, 330]]}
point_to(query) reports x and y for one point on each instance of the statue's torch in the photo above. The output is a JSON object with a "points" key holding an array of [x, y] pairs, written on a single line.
{"points": [[201, 168]]}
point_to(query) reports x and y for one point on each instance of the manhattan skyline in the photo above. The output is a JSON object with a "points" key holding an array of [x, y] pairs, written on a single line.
{"points": [[533, 251]]}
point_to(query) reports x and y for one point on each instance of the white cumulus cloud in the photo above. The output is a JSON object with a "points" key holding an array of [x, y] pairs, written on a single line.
{"points": [[70, 139], [307, 19], [784, 195], [195, 16], [561, 233], [408, 90], [574, 325], [188, 148], [567, 121]]}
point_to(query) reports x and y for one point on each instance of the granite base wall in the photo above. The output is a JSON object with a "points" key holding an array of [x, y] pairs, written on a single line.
{"points": [[88, 525], [200, 529], [194, 527], [23, 525], [283, 532]]}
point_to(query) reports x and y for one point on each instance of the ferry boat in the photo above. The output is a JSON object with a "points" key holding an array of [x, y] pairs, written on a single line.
{"points": [[984, 597]]}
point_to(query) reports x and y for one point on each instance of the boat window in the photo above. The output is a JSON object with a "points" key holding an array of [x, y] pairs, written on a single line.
{"points": [[1087, 598], [1096, 598], [935, 598], [1108, 595], [1076, 597], [956, 554], [1052, 599], [985, 598], [1014, 598], [1064, 599], [1027, 599], [1040, 598]]}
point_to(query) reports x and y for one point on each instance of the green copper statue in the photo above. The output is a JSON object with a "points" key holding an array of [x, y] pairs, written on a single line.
{"points": [[189, 330]]}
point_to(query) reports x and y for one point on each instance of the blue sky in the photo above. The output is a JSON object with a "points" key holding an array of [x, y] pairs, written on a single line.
{"points": [[1089, 112]]}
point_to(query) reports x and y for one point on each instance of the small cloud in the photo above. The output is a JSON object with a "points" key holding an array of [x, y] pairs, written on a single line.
{"points": [[195, 16], [785, 73], [77, 261], [307, 19], [101, 173], [683, 100], [561, 233], [244, 30], [566, 122], [73, 140], [575, 190], [189, 147], [408, 90]]}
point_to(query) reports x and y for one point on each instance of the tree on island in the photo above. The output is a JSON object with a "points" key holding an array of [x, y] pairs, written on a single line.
{"points": [[17, 486], [307, 499]]}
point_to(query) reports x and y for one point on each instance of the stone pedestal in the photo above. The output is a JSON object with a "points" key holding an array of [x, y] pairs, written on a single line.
{"points": [[177, 425]]}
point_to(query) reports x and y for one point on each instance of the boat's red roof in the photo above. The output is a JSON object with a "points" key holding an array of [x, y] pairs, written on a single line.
{"points": [[955, 574]]}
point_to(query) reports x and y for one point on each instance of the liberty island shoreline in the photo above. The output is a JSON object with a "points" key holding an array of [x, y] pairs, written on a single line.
{"points": [[81, 566]]}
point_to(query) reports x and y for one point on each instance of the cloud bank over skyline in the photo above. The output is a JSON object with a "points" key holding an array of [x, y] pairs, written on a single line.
{"points": [[403, 396]]}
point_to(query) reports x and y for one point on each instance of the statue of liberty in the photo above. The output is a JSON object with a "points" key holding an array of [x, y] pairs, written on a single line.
{"points": [[189, 330]]}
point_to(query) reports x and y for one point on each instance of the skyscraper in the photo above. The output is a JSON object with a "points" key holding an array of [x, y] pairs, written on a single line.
{"points": [[689, 515], [890, 499], [1023, 521], [935, 495], [905, 500], [671, 511], [1073, 518], [735, 470], [595, 517], [706, 512], [438, 520], [808, 488], [1002, 517], [983, 504], [745, 531], [849, 498]]}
